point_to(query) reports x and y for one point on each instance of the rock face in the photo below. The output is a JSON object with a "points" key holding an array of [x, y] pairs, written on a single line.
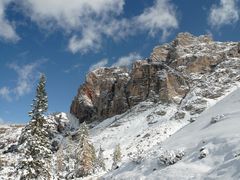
{"points": [[155, 80], [102, 95], [173, 73]]}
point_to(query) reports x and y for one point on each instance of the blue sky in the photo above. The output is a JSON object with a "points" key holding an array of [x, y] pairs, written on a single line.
{"points": [[66, 38]]}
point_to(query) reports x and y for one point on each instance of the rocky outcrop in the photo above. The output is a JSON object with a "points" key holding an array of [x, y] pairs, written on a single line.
{"points": [[102, 95], [188, 65], [111, 91], [153, 80]]}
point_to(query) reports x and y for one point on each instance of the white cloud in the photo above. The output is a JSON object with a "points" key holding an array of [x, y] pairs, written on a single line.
{"points": [[7, 31], [160, 17], [123, 61], [89, 22], [85, 21], [127, 60], [99, 64], [71, 14], [89, 41], [5, 93], [224, 14], [26, 75]]}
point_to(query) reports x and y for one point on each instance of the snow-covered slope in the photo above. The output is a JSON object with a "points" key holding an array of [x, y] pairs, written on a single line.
{"points": [[215, 133], [149, 135]]}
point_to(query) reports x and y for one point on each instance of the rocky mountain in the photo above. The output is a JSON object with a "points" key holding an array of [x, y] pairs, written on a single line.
{"points": [[174, 115], [173, 73]]}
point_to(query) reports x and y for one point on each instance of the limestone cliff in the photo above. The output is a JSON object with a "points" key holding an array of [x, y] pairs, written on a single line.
{"points": [[171, 74]]}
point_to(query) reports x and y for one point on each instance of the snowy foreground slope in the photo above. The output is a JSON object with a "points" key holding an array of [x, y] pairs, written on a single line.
{"points": [[216, 133], [158, 141]]}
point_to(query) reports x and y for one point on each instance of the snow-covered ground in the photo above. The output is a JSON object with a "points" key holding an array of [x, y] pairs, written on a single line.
{"points": [[215, 134], [8, 136], [136, 130], [149, 135]]}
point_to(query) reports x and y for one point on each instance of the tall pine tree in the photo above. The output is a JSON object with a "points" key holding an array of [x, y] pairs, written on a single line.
{"points": [[34, 140], [40, 103]]}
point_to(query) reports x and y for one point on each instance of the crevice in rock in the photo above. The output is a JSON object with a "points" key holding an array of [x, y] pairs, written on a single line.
{"points": [[127, 96]]}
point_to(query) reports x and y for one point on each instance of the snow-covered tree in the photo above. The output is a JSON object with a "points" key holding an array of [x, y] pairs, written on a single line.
{"points": [[60, 162], [70, 158], [40, 103], [60, 159], [86, 156], [117, 157], [100, 164], [39, 107], [34, 140]]}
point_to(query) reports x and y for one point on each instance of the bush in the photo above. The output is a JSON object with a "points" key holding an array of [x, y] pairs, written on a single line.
{"points": [[217, 118], [170, 157], [137, 159]]}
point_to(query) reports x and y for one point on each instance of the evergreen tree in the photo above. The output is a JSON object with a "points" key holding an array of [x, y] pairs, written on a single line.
{"points": [[85, 154], [34, 140], [60, 162], [117, 157], [40, 103], [100, 164]]}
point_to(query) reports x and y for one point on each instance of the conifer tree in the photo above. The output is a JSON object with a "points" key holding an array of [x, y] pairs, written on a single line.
{"points": [[117, 157], [40, 103], [34, 139], [60, 161], [86, 156], [100, 164]]}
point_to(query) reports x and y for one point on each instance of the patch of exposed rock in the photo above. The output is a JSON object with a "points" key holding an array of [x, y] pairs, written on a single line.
{"points": [[186, 72]]}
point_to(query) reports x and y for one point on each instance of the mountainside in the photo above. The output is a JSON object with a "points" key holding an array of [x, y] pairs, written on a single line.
{"points": [[147, 134], [174, 115], [210, 145], [173, 73]]}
